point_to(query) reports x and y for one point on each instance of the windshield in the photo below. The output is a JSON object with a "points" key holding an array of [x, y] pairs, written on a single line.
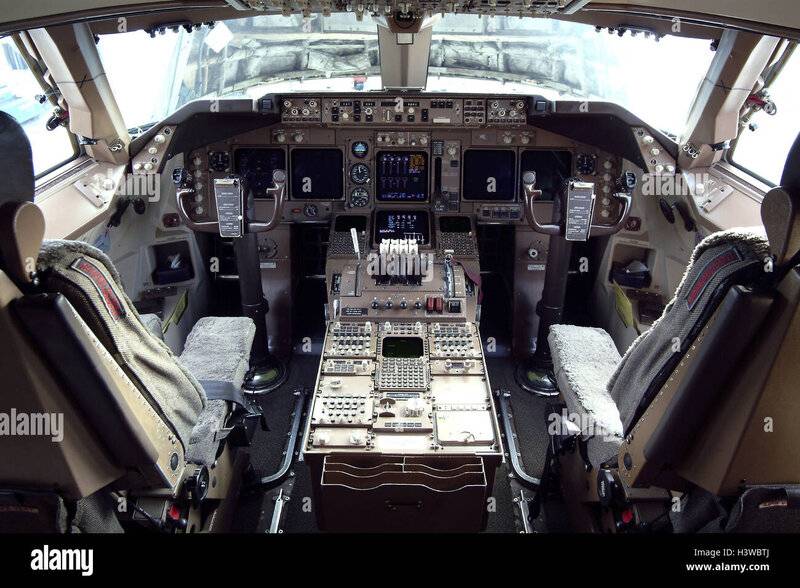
{"points": [[250, 57]]}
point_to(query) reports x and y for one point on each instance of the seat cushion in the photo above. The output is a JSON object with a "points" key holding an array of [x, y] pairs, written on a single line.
{"points": [[583, 360], [218, 349], [217, 353]]}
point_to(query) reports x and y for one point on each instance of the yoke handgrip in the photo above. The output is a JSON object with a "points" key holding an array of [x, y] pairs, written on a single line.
{"points": [[532, 194], [600, 230], [205, 226], [278, 192]]}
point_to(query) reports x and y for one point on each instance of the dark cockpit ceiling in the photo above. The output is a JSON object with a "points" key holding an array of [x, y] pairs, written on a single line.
{"points": [[442, 153]]}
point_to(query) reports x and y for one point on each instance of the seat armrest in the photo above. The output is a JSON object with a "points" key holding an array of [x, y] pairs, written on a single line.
{"points": [[218, 350], [153, 324]]}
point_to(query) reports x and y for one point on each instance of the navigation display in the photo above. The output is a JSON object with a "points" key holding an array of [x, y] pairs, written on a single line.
{"points": [[402, 224], [317, 174], [255, 166], [552, 169], [402, 176], [489, 174]]}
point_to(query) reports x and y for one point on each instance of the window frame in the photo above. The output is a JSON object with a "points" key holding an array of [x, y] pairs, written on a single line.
{"points": [[788, 53], [14, 49], [77, 151]]}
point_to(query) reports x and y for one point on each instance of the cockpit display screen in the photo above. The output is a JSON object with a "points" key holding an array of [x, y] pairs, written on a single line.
{"points": [[489, 174], [402, 176], [552, 169], [402, 224], [317, 174], [256, 165]]}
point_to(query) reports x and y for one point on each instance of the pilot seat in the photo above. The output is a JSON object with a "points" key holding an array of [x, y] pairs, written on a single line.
{"points": [[694, 427], [149, 437]]}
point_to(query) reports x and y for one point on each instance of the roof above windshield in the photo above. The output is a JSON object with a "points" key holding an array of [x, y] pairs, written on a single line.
{"points": [[657, 80]]}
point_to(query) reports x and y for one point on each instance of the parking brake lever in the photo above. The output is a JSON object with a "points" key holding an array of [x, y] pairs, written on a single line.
{"points": [[532, 194], [278, 192]]}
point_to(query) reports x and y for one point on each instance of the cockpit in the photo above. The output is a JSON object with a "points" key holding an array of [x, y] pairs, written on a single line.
{"points": [[404, 267]]}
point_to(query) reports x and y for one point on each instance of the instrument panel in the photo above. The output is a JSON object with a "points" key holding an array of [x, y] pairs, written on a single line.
{"points": [[462, 155]]}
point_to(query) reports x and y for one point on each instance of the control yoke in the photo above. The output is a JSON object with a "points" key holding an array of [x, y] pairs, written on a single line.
{"points": [[573, 210], [233, 210], [578, 206]]}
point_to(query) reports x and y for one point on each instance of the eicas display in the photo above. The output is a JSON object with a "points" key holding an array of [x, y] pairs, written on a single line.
{"points": [[402, 176]]}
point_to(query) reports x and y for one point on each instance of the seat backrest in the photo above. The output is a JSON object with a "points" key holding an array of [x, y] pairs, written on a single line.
{"points": [[703, 420], [89, 281], [719, 262]]}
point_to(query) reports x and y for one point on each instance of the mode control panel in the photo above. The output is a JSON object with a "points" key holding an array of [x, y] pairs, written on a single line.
{"points": [[390, 111], [408, 110]]}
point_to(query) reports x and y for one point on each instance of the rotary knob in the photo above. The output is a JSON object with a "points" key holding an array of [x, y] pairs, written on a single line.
{"points": [[414, 407]]}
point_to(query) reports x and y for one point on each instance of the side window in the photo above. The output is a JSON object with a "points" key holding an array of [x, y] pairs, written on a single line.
{"points": [[18, 91], [763, 145]]}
